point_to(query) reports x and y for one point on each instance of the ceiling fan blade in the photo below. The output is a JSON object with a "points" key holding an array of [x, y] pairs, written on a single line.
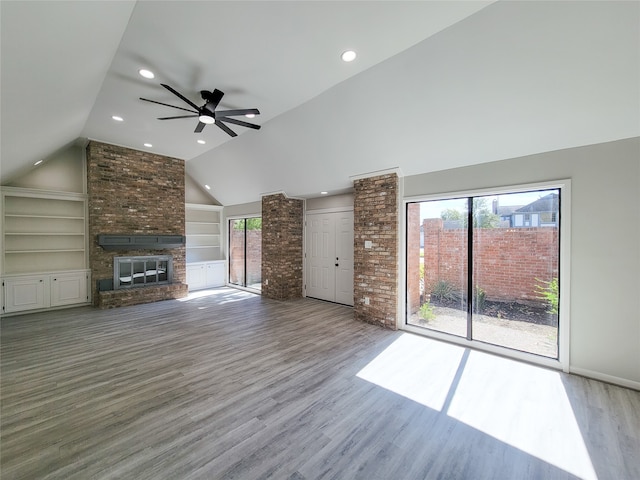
{"points": [[212, 98], [179, 116], [231, 113], [199, 127], [179, 95], [238, 122], [225, 128], [167, 105]]}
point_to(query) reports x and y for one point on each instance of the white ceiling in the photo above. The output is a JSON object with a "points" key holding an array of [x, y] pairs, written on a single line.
{"points": [[436, 84]]}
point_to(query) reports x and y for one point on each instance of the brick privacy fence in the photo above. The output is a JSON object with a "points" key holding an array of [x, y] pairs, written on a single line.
{"points": [[375, 269], [507, 260], [133, 192], [282, 233], [254, 256]]}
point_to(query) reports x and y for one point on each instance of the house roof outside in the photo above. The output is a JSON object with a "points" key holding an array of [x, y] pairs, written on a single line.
{"points": [[548, 203]]}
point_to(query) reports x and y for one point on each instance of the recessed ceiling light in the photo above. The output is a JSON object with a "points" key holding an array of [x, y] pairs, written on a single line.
{"points": [[146, 73], [117, 118], [323, 193], [207, 187], [348, 56], [148, 145], [38, 162], [250, 115], [201, 142]]}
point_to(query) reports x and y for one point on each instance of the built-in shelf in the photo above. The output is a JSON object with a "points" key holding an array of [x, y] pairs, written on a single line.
{"points": [[202, 223], [44, 250], [43, 231]]}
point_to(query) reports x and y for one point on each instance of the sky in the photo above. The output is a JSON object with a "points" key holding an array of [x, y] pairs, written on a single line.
{"points": [[432, 209]]}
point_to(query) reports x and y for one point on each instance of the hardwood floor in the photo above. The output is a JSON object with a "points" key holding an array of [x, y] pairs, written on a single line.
{"points": [[231, 385]]}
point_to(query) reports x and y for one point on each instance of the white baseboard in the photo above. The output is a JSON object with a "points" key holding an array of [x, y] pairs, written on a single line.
{"points": [[623, 382]]}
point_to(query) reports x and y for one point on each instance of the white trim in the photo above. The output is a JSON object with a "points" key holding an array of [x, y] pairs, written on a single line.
{"points": [[329, 210], [603, 377], [486, 347], [564, 343], [280, 192], [377, 173], [204, 206]]}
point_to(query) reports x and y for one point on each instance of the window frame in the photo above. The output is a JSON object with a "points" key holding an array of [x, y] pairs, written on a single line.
{"points": [[564, 314]]}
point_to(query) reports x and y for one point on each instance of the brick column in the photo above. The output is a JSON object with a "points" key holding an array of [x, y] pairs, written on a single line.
{"points": [[376, 268], [282, 258]]}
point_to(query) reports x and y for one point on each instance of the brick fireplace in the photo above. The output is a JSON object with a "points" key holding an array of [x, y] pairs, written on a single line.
{"points": [[134, 193]]}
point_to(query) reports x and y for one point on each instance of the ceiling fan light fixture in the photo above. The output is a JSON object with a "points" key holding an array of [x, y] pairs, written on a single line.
{"points": [[117, 118], [201, 142], [146, 73], [208, 119]]}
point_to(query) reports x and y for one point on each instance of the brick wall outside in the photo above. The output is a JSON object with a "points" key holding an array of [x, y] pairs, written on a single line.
{"points": [[413, 252], [237, 252], [507, 260], [282, 242], [133, 192], [376, 268]]}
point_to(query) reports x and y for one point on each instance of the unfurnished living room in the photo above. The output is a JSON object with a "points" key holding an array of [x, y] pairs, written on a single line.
{"points": [[320, 240]]}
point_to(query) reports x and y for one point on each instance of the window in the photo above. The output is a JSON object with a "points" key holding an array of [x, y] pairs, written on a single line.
{"points": [[486, 269]]}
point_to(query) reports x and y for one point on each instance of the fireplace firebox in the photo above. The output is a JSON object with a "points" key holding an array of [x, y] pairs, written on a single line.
{"points": [[131, 272]]}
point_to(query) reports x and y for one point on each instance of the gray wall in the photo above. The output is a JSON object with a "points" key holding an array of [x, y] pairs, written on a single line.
{"points": [[605, 243]]}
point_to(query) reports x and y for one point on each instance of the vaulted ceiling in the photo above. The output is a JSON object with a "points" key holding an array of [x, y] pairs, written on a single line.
{"points": [[435, 85]]}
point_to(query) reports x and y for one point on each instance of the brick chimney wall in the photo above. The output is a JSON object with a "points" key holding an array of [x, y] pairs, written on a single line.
{"points": [[134, 192]]}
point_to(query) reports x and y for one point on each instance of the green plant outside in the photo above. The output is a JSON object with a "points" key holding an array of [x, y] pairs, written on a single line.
{"points": [[426, 312], [548, 291], [443, 290]]}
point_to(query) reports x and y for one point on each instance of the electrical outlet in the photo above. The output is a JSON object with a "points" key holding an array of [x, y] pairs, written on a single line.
{"points": [[366, 300], [367, 244], [266, 282]]}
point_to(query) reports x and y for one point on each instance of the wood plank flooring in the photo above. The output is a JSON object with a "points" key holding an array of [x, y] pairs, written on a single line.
{"points": [[229, 385]]}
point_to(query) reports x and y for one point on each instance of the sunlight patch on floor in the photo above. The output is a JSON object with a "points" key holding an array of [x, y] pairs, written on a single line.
{"points": [[233, 294], [421, 371], [522, 405], [519, 404]]}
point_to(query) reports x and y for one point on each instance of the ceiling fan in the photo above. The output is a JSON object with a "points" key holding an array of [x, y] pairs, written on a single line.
{"points": [[207, 113]]}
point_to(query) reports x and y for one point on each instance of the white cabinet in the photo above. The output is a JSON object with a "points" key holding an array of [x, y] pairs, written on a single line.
{"points": [[26, 293], [206, 274], [69, 288], [196, 276], [34, 292], [215, 274]]}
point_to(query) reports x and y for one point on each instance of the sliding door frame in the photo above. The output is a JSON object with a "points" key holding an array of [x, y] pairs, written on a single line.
{"points": [[228, 221], [564, 314]]}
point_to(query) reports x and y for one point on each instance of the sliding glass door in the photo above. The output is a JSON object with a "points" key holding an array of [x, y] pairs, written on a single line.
{"points": [[245, 252], [486, 268]]}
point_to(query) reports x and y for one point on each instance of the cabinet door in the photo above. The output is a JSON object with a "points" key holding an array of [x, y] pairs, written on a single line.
{"points": [[196, 276], [215, 274], [26, 293], [69, 288]]}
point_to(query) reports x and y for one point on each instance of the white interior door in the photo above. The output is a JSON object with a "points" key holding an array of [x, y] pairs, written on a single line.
{"points": [[344, 258], [330, 257]]}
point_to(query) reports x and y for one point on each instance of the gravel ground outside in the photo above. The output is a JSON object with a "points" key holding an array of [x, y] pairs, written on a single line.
{"points": [[525, 336]]}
